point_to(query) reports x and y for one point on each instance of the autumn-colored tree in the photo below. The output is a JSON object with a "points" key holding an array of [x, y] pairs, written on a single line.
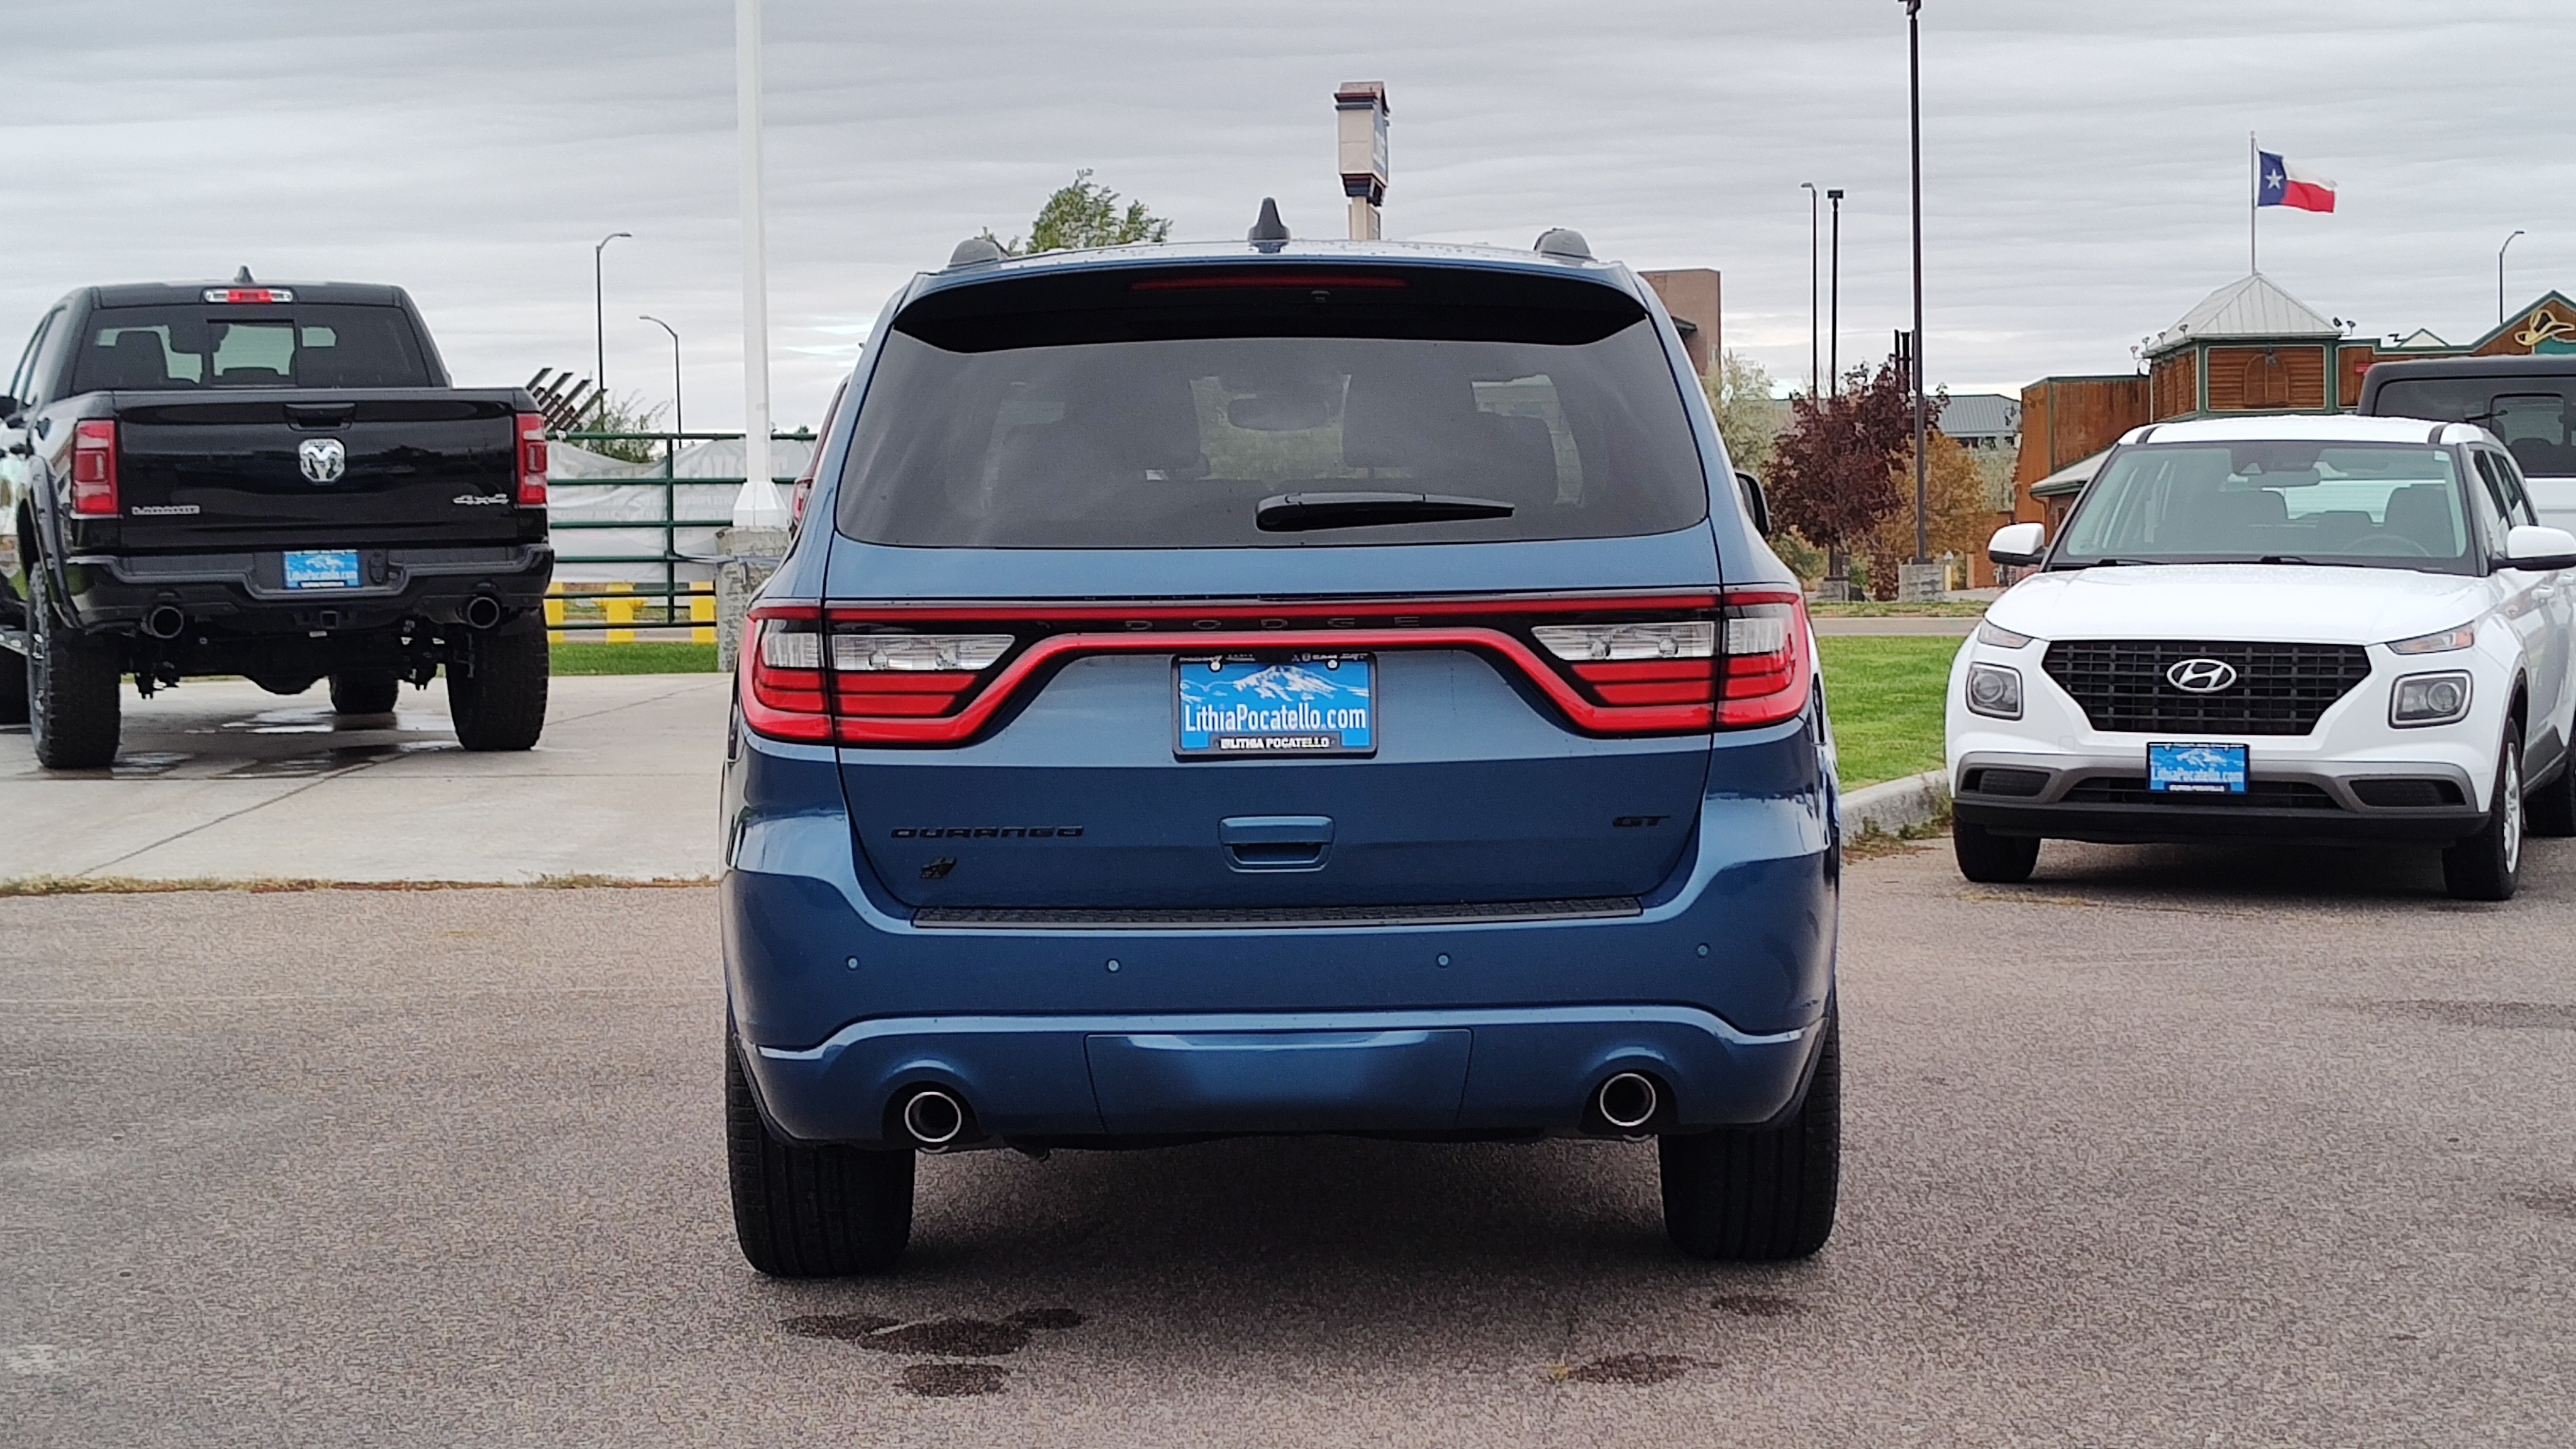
{"points": [[1959, 516], [1832, 472]]}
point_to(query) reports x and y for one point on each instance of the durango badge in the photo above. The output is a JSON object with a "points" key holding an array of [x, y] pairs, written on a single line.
{"points": [[322, 459]]}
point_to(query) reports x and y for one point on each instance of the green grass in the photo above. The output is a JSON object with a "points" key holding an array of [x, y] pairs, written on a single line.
{"points": [[1872, 609], [1886, 693], [647, 658]]}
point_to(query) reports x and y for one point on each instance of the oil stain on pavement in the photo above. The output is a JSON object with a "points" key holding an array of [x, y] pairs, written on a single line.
{"points": [[940, 1340], [1630, 1368]]}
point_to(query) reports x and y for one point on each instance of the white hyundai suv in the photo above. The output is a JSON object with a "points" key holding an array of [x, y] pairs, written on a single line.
{"points": [[2303, 628]]}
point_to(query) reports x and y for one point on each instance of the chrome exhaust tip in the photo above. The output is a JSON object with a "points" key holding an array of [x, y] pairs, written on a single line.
{"points": [[166, 621], [933, 1118], [481, 612], [1627, 1101]]}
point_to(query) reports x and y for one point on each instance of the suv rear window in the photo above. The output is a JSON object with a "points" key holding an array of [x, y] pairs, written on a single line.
{"points": [[307, 345], [1165, 410], [2536, 416]]}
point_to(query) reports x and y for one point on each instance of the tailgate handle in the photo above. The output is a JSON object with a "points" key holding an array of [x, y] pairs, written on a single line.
{"points": [[320, 415], [1275, 842]]}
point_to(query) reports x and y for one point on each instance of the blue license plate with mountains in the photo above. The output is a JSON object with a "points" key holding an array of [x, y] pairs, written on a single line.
{"points": [[1239, 706], [323, 568], [2196, 768]]}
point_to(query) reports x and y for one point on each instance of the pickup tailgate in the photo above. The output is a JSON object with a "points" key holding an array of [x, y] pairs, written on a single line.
{"points": [[312, 468]]}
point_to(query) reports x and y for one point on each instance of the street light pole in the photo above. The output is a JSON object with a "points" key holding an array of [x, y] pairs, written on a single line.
{"points": [[599, 320], [1834, 306], [2500, 251], [1922, 464], [679, 416], [757, 505], [1811, 288]]}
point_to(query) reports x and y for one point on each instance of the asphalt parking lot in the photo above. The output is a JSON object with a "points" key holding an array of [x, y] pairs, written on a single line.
{"points": [[2166, 1148]]}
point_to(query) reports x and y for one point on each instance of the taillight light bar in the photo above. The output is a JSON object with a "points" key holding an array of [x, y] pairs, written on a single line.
{"points": [[936, 675], [94, 468], [258, 295], [528, 460]]}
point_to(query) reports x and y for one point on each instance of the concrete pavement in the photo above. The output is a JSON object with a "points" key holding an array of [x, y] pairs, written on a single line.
{"points": [[2169, 1148], [219, 779]]}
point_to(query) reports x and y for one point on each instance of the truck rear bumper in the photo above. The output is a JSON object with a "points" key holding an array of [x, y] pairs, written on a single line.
{"points": [[247, 591], [1433, 1072]]}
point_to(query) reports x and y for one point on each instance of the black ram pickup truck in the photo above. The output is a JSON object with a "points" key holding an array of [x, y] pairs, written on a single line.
{"points": [[271, 481]]}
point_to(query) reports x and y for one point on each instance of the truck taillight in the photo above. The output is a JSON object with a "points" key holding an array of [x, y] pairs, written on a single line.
{"points": [[532, 460], [94, 468]]}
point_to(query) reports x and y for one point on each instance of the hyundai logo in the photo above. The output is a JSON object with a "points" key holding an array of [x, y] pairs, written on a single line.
{"points": [[322, 459], [2201, 676]]}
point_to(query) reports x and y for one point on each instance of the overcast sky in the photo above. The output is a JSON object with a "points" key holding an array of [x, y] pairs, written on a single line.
{"points": [[2085, 161]]}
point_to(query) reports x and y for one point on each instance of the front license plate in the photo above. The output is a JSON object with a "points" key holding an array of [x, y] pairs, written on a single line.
{"points": [[1237, 705], [323, 568], [2195, 768]]}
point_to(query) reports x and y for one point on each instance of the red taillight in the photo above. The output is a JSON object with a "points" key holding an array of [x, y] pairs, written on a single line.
{"points": [[1769, 671], [782, 667], [94, 468], [531, 460]]}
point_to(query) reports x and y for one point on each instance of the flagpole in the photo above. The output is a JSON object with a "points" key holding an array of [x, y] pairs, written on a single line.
{"points": [[2253, 201]]}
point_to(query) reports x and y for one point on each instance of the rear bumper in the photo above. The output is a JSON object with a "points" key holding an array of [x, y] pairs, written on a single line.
{"points": [[1713, 986], [247, 592], [1431, 1072]]}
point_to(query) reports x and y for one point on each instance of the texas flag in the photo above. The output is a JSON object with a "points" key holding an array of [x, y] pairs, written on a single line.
{"points": [[2278, 183]]}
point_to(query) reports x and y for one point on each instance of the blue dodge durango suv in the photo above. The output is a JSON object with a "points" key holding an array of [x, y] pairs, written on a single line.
{"points": [[1277, 687]]}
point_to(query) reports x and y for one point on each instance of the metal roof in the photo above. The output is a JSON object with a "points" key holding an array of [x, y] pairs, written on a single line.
{"points": [[1980, 415], [2071, 478], [2252, 307]]}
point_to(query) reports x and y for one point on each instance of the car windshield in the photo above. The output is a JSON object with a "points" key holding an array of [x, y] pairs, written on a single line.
{"points": [[1196, 410], [2535, 416], [305, 345], [2381, 505]]}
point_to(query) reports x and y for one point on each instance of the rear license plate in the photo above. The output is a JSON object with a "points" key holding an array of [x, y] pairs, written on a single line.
{"points": [[1236, 705], [323, 568], [2194, 768]]}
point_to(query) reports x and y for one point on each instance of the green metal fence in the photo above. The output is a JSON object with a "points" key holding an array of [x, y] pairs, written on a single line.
{"points": [[664, 606]]}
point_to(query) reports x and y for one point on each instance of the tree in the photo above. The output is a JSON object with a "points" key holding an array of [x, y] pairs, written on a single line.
{"points": [[605, 414], [1086, 214], [1748, 417], [1832, 470], [1960, 512]]}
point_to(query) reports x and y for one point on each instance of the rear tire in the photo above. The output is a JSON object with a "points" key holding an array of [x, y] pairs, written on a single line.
{"points": [[1762, 1193], [810, 1212], [365, 691], [498, 702], [2551, 809], [72, 685], [1993, 859], [2487, 866]]}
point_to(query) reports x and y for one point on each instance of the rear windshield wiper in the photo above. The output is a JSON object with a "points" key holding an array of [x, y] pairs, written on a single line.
{"points": [[1297, 512]]}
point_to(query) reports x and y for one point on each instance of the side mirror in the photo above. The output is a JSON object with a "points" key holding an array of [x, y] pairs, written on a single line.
{"points": [[2019, 544], [1756, 503], [2541, 550]]}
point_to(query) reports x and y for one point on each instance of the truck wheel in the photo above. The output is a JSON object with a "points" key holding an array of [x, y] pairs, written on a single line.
{"points": [[72, 684], [2551, 809], [2487, 866], [810, 1212], [499, 702], [365, 691], [1993, 859], [1762, 1193]]}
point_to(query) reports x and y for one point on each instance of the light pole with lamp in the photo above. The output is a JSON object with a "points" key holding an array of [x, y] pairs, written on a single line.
{"points": [[1834, 303], [2500, 251], [1914, 96], [679, 416], [1811, 288], [599, 320]]}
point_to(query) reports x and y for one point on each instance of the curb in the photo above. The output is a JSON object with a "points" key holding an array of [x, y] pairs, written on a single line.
{"points": [[1891, 806]]}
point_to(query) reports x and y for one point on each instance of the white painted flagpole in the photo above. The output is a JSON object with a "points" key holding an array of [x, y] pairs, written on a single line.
{"points": [[756, 504], [2253, 200]]}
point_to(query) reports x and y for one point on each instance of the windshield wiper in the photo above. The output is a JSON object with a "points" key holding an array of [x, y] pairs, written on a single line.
{"points": [[2289, 558], [2118, 563], [1297, 512]]}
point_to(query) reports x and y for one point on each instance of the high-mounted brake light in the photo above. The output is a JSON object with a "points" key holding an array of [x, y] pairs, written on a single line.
{"points": [[530, 461], [1227, 281], [250, 294], [94, 468]]}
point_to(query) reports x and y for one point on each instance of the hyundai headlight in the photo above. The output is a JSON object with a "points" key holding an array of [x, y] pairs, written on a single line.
{"points": [[1994, 691], [2429, 699]]}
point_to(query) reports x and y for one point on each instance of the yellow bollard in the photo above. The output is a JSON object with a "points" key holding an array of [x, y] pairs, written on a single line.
{"points": [[554, 606], [620, 611], [702, 610]]}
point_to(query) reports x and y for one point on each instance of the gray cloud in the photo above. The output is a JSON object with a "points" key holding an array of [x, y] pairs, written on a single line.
{"points": [[2085, 163]]}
